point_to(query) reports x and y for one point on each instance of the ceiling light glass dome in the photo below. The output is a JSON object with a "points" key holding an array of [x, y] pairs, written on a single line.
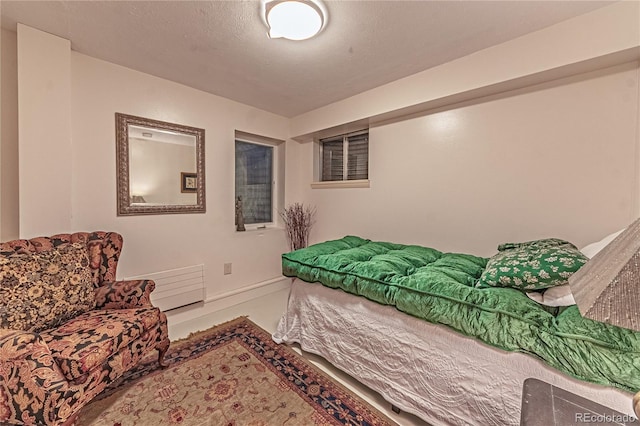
{"points": [[294, 19]]}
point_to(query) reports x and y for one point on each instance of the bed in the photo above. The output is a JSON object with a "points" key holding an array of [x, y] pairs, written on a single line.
{"points": [[423, 333]]}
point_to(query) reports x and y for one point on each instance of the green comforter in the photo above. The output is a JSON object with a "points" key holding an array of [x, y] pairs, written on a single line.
{"points": [[439, 287]]}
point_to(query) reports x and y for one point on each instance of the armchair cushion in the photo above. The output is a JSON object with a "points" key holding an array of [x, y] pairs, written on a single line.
{"points": [[90, 339], [40, 291]]}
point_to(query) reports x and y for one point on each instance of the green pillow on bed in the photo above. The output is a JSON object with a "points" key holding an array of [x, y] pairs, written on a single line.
{"points": [[528, 266], [545, 242]]}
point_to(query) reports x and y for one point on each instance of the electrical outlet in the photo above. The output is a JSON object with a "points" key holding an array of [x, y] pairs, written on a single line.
{"points": [[227, 268]]}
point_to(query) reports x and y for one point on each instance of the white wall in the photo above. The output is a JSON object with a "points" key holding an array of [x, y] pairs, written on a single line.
{"points": [[1, 117], [161, 242], [68, 166], [557, 159], [508, 143], [9, 212], [44, 126]]}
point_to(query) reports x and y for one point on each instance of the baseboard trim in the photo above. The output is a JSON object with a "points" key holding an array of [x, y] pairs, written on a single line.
{"points": [[248, 289], [228, 299]]}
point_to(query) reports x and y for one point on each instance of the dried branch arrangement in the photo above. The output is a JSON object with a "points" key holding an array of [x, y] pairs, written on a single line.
{"points": [[298, 220]]}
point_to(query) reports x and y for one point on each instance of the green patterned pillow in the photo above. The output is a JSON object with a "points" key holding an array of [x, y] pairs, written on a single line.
{"points": [[39, 291], [545, 242], [532, 267]]}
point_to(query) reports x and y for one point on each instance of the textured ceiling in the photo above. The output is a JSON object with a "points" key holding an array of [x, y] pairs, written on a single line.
{"points": [[221, 47]]}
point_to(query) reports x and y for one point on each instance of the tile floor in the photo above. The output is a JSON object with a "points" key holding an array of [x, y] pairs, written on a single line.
{"points": [[266, 311]]}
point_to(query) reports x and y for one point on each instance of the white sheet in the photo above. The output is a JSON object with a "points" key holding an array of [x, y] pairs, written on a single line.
{"points": [[425, 369]]}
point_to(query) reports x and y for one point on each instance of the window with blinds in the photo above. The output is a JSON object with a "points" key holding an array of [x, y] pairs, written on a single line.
{"points": [[345, 157], [254, 181]]}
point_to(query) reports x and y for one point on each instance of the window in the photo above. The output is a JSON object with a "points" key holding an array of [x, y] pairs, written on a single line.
{"points": [[255, 181], [345, 157]]}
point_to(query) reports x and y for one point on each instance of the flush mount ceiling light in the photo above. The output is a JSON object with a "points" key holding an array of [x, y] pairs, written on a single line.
{"points": [[294, 19]]}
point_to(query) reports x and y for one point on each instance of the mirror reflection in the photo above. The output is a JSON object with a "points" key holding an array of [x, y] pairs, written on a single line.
{"points": [[158, 161], [160, 167]]}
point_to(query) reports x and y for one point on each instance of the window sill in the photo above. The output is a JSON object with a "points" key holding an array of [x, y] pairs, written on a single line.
{"points": [[253, 230], [362, 183]]}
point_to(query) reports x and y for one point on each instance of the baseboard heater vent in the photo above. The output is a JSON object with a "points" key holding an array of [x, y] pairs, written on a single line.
{"points": [[177, 287]]}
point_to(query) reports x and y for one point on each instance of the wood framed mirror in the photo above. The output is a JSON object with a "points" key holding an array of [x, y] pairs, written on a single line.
{"points": [[160, 167]]}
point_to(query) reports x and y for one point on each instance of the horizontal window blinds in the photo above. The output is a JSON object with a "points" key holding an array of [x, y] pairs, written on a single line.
{"points": [[358, 157], [345, 157], [332, 160]]}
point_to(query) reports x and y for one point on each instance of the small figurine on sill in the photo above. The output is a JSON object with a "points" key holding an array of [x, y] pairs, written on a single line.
{"points": [[239, 215]]}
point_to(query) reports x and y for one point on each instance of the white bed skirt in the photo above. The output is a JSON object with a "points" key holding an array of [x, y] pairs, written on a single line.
{"points": [[425, 369]]}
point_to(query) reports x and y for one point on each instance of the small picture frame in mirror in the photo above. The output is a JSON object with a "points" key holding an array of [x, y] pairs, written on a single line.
{"points": [[188, 182]]}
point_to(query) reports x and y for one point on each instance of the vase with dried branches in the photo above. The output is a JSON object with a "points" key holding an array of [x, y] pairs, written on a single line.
{"points": [[298, 220]]}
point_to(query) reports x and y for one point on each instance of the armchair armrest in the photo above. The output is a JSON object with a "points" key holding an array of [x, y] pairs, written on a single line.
{"points": [[125, 294], [30, 381], [16, 344]]}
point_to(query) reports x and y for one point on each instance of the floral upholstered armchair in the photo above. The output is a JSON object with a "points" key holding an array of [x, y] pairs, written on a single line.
{"points": [[67, 327]]}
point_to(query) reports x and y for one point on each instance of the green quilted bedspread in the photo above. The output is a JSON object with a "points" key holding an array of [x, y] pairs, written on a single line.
{"points": [[439, 287]]}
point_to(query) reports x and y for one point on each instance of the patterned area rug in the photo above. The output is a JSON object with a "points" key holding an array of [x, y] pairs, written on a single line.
{"points": [[230, 375]]}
